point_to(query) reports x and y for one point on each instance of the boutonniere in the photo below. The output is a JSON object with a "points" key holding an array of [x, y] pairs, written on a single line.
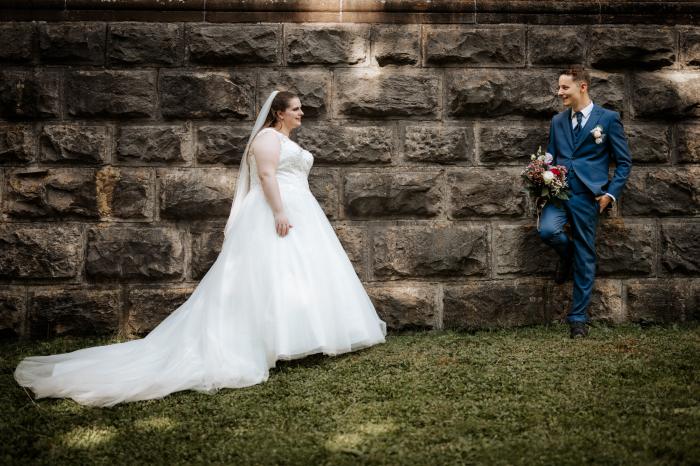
{"points": [[598, 134]]}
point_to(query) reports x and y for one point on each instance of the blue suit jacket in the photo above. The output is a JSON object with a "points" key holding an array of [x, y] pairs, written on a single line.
{"points": [[589, 161]]}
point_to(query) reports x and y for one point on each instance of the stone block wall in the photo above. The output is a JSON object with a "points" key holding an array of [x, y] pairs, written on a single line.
{"points": [[120, 142]]}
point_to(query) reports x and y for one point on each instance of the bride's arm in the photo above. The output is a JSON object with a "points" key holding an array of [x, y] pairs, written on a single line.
{"points": [[266, 150]]}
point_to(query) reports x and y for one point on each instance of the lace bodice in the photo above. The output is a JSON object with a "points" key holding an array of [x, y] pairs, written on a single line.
{"points": [[294, 164]]}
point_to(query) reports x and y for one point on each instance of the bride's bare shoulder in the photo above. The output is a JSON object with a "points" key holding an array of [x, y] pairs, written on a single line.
{"points": [[266, 142]]}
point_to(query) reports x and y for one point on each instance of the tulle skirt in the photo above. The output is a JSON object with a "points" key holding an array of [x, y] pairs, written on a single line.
{"points": [[264, 299]]}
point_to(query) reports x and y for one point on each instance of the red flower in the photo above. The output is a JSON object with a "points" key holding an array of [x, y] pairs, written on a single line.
{"points": [[555, 171]]}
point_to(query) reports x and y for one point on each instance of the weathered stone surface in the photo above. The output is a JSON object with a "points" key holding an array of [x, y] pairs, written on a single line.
{"points": [[326, 45], [666, 95], [510, 144], [689, 143], [478, 192], [13, 312], [431, 251], [556, 45], [438, 144], [29, 94], [16, 42], [59, 312], [16, 145], [390, 94], [490, 93], [40, 251], [392, 194], [123, 94], [149, 307], [124, 253], [396, 44], [77, 43], [206, 245], [606, 301], [519, 250], [661, 301], [406, 307], [339, 144], [73, 144], [201, 193], [624, 47], [470, 45], [312, 87], [199, 94], [649, 143], [233, 44], [324, 186], [144, 44], [690, 47], [154, 144], [663, 191], [625, 248], [608, 90], [680, 248], [494, 304], [354, 240], [125, 193], [221, 144], [60, 192]]}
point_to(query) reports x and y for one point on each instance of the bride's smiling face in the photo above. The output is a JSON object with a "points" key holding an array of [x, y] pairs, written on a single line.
{"points": [[291, 117]]}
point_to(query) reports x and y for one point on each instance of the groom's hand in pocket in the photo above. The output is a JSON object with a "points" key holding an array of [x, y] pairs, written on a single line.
{"points": [[603, 202]]}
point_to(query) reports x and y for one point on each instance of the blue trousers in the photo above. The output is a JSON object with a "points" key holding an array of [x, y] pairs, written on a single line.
{"points": [[581, 212]]}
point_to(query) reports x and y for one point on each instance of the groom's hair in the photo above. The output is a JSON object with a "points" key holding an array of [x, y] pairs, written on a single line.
{"points": [[578, 73]]}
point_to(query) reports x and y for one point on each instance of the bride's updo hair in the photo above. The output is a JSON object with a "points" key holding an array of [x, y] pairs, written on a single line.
{"points": [[280, 103]]}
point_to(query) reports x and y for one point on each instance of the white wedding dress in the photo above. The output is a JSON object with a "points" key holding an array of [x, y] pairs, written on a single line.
{"points": [[265, 298]]}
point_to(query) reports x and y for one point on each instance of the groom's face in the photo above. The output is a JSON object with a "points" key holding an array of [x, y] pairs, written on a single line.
{"points": [[571, 92]]}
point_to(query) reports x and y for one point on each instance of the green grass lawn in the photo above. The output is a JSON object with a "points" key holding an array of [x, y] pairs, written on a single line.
{"points": [[626, 395]]}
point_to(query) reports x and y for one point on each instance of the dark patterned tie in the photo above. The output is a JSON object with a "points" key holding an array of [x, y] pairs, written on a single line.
{"points": [[579, 118]]}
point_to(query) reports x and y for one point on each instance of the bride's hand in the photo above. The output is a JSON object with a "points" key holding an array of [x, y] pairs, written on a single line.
{"points": [[282, 225]]}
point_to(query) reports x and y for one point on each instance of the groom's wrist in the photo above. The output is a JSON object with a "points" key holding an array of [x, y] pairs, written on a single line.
{"points": [[611, 197]]}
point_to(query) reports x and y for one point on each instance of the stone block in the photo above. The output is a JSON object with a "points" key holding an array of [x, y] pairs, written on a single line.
{"points": [[474, 45], [196, 194], [608, 90], [362, 93], [631, 46], [40, 251], [16, 42], [482, 192], [519, 250], [17, 146], [233, 44], [556, 45], [649, 143], [494, 305], [148, 307], [662, 192], [221, 144], [144, 44], [680, 248], [666, 95], [59, 192], [76, 312], [409, 306], [605, 306], [124, 253], [154, 144], [396, 44], [207, 241], [27, 95], [392, 194], [79, 43], [689, 143], [339, 144], [113, 94], [324, 186], [625, 248], [207, 94], [13, 312], [311, 86], [510, 144], [355, 243], [431, 251], [311, 44], [438, 144], [125, 193], [661, 301], [492, 93], [690, 47], [79, 144]]}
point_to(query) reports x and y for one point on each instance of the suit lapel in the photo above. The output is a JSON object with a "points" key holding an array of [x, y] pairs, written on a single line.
{"points": [[592, 121], [568, 130]]}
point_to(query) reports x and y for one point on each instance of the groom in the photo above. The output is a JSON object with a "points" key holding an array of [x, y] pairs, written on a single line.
{"points": [[586, 139]]}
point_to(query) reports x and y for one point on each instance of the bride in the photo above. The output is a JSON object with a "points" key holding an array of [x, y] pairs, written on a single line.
{"points": [[282, 287]]}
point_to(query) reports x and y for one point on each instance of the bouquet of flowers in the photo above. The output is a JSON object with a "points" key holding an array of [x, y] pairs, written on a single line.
{"points": [[545, 181]]}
